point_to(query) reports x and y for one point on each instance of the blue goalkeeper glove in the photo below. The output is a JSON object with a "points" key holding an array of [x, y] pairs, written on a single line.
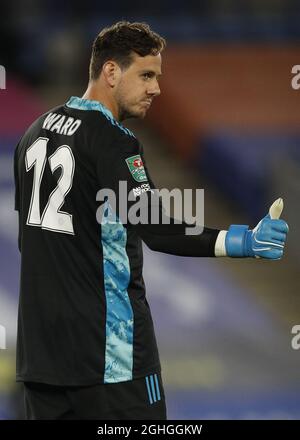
{"points": [[266, 240]]}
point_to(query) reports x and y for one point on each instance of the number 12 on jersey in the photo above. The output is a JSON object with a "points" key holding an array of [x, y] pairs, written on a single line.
{"points": [[52, 218]]}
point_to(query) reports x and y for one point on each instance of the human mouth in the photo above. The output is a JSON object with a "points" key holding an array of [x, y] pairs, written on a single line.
{"points": [[147, 103]]}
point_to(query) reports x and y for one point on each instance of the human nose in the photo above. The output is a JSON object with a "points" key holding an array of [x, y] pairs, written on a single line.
{"points": [[154, 90]]}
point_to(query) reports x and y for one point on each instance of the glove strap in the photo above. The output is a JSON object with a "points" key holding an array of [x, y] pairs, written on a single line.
{"points": [[235, 241]]}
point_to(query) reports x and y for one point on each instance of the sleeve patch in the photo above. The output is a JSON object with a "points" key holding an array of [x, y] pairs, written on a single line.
{"points": [[136, 167]]}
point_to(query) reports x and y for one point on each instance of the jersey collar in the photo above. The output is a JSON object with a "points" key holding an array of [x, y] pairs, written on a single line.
{"points": [[89, 104]]}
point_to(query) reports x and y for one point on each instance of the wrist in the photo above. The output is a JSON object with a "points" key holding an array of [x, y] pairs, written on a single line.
{"points": [[238, 241], [220, 248]]}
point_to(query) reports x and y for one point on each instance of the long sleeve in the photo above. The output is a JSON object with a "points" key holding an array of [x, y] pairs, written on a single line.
{"points": [[123, 162]]}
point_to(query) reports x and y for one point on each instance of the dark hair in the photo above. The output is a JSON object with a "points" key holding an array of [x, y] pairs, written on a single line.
{"points": [[118, 41]]}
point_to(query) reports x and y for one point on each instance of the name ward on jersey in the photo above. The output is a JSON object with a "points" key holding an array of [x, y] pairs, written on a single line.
{"points": [[61, 124]]}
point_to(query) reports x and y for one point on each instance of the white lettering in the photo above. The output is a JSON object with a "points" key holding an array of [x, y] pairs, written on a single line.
{"points": [[2, 338], [55, 122], [2, 77], [296, 339], [296, 79], [153, 204], [65, 128], [116, 430], [50, 119], [57, 126], [74, 127]]}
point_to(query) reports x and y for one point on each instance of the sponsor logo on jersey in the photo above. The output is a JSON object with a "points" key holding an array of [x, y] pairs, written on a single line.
{"points": [[141, 189], [136, 167]]}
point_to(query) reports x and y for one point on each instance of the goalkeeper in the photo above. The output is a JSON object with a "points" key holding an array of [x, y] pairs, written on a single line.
{"points": [[86, 345]]}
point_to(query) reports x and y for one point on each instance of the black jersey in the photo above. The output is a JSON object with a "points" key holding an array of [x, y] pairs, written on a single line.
{"points": [[83, 314]]}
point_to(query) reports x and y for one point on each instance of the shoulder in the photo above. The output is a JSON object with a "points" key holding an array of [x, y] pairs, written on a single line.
{"points": [[116, 138]]}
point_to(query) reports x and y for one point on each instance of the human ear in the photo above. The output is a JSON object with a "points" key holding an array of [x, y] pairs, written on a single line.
{"points": [[111, 72]]}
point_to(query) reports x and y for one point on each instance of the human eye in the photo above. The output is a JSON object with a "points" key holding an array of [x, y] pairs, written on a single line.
{"points": [[147, 75]]}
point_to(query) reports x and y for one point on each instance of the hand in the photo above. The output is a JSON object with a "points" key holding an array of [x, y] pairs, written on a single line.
{"points": [[266, 240]]}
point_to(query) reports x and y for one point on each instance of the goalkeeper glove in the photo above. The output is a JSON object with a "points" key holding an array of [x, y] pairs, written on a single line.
{"points": [[266, 240]]}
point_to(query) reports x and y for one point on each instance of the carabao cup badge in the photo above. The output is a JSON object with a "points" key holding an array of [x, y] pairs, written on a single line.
{"points": [[136, 167]]}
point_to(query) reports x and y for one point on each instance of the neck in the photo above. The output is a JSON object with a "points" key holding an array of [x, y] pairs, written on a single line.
{"points": [[100, 94]]}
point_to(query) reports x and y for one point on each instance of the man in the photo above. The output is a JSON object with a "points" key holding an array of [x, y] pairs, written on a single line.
{"points": [[86, 346]]}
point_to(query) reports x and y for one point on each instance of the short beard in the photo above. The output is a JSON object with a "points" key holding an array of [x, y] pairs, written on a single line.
{"points": [[124, 113], [123, 110]]}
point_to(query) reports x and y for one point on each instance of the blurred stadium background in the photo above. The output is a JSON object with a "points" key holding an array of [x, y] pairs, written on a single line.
{"points": [[227, 121]]}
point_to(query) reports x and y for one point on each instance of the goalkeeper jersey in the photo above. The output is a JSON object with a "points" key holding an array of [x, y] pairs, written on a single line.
{"points": [[83, 314]]}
